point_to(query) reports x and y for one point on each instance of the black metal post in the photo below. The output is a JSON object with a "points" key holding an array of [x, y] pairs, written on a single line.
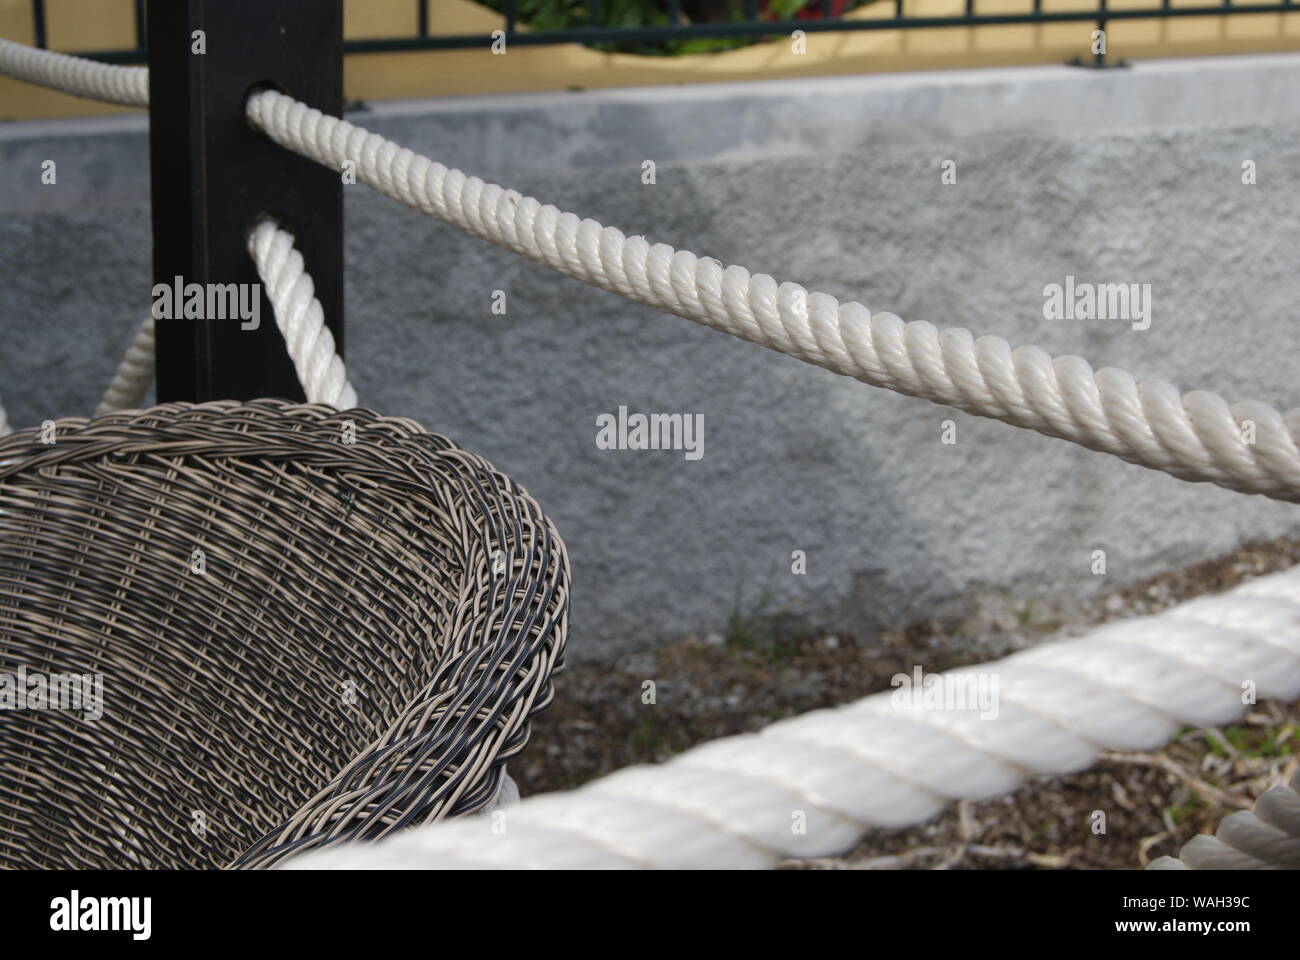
{"points": [[213, 176], [38, 23], [1099, 58]]}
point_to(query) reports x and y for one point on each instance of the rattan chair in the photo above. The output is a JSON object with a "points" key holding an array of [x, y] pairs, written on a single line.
{"points": [[303, 640]]}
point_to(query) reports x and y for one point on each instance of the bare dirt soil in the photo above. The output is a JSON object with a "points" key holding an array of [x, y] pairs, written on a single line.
{"points": [[714, 686]]}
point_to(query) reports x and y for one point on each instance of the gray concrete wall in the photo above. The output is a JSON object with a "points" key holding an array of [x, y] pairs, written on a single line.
{"points": [[1117, 176]]}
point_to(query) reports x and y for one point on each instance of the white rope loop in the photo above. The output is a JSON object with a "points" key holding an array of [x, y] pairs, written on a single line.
{"points": [[298, 314], [1197, 437], [128, 86], [300, 317], [878, 763]]}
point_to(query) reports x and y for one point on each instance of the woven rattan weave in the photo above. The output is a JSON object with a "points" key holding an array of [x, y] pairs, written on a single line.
{"points": [[302, 640]]}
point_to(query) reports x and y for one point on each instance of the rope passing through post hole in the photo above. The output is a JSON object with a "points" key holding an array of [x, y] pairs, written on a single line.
{"points": [[1196, 436]]}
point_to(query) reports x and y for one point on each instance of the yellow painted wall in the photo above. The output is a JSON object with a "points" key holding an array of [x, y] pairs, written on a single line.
{"points": [[90, 24]]}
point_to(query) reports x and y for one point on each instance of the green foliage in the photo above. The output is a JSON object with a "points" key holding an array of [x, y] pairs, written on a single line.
{"points": [[1253, 741], [767, 627], [565, 14], [786, 9], [560, 14], [1180, 812], [1026, 613]]}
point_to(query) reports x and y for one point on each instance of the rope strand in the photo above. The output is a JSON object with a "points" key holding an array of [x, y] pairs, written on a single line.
{"points": [[131, 382], [300, 317], [810, 786], [128, 86], [1197, 436]]}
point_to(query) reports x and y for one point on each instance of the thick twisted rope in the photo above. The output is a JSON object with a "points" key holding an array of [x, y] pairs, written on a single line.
{"points": [[78, 76], [1197, 436], [298, 314], [300, 317], [810, 786], [134, 374], [1267, 838]]}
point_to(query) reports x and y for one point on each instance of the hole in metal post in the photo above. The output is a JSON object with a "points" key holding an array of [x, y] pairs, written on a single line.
{"points": [[254, 89]]}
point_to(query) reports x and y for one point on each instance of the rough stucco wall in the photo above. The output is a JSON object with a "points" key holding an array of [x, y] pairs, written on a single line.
{"points": [[895, 524]]}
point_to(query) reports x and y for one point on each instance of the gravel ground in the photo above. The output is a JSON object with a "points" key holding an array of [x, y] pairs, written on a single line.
{"points": [[716, 685]]}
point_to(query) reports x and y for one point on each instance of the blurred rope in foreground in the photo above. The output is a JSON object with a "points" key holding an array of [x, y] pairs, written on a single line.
{"points": [[811, 785]]}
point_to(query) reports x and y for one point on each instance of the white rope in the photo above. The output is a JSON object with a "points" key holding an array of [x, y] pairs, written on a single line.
{"points": [[310, 343], [128, 86], [134, 374], [1266, 839], [1197, 437], [5, 429], [298, 313], [877, 763], [300, 317]]}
